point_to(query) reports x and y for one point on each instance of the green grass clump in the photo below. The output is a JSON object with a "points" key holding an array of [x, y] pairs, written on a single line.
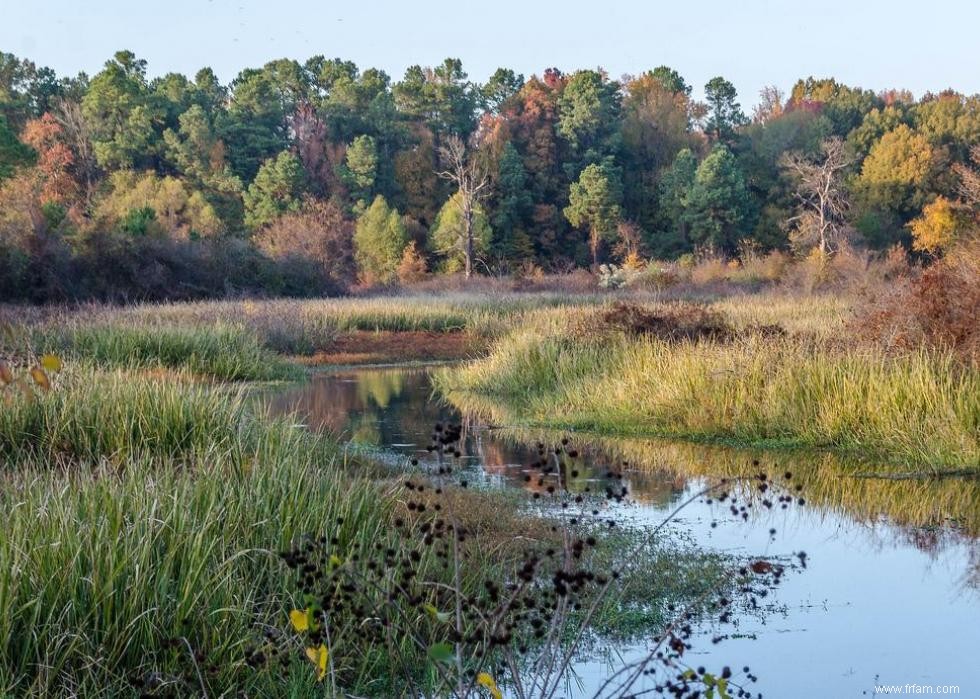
{"points": [[921, 407], [222, 352], [117, 416], [165, 522]]}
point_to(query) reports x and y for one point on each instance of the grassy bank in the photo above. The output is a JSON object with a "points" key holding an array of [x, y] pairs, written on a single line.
{"points": [[139, 509], [920, 407], [144, 517], [226, 353]]}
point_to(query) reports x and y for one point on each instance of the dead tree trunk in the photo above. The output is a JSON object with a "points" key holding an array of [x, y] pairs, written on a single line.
{"points": [[472, 183]]}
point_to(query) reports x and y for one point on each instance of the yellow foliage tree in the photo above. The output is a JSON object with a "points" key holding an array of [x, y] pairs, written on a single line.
{"points": [[178, 210], [896, 168], [412, 268], [937, 227]]}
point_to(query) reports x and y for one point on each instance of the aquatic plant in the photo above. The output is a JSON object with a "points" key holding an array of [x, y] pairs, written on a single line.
{"points": [[421, 596]]}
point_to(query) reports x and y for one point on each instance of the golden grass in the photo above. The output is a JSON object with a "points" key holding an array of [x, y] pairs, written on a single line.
{"points": [[920, 407]]}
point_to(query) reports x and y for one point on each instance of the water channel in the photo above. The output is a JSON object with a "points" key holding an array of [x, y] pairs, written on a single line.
{"points": [[891, 593]]}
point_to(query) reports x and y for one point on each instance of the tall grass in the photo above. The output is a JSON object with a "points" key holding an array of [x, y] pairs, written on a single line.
{"points": [[92, 416], [219, 351], [921, 407], [164, 522]]}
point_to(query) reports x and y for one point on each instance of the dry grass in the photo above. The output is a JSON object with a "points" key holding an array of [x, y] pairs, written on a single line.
{"points": [[921, 407]]}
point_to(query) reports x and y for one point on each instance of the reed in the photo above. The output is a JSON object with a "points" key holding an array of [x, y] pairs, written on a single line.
{"points": [[219, 351]]}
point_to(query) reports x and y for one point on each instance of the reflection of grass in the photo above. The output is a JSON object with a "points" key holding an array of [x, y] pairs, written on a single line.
{"points": [[665, 573], [920, 408], [829, 481]]}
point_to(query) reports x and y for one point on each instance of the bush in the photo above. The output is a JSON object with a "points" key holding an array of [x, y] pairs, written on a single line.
{"points": [[670, 324], [938, 308], [318, 236]]}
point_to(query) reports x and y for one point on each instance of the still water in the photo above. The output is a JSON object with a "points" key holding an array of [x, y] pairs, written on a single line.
{"points": [[891, 593]]}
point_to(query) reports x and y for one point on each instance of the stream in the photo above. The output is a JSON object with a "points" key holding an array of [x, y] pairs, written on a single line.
{"points": [[891, 593]]}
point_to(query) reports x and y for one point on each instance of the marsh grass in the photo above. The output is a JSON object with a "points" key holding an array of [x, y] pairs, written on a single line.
{"points": [[94, 416], [137, 510], [142, 508], [920, 407], [221, 352]]}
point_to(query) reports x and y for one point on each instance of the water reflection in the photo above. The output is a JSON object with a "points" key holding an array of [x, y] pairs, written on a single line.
{"points": [[893, 587]]}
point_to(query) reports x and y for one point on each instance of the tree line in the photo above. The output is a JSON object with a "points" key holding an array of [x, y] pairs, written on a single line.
{"points": [[310, 177]]}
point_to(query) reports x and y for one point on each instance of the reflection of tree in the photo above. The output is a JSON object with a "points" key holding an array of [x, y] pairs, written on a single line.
{"points": [[394, 401], [378, 387], [830, 481], [364, 430]]}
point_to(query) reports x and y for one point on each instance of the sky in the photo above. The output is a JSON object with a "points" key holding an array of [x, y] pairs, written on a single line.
{"points": [[875, 44]]}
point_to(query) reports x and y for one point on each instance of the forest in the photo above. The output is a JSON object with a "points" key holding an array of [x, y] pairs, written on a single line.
{"points": [[320, 177]]}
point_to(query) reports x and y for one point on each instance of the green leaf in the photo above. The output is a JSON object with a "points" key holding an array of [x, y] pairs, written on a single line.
{"points": [[440, 652]]}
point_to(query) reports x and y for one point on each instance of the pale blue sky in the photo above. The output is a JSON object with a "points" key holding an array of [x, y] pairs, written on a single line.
{"points": [[871, 43]]}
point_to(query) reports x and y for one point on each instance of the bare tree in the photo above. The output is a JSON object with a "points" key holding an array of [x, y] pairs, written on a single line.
{"points": [[970, 179], [472, 182], [770, 104], [820, 192], [69, 115]]}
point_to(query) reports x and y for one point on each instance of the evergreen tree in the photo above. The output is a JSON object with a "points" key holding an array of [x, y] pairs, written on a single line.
{"points": [[718, 203], [594, 203], [675, 187], [277, 188], [511, 205]]}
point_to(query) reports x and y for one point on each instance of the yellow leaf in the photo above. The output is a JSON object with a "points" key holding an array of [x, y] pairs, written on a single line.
{"points": [[485, 680], [40, 378], [6, 375], [51, 362], [318, 656], [300, 620]]}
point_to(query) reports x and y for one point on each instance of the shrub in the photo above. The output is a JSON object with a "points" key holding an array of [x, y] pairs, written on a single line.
{"points": [[318, 235], [671, 324], [939, 308], [412, 269]]}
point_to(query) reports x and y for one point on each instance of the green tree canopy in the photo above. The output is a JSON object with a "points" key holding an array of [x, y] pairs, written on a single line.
{"points": [[361, 168], [123, 119], [447, 238], [380, 238], [675, 187], [594, 203], [718, 203], [588, 116], [277, 188], [724, 112], [13, 153]]}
